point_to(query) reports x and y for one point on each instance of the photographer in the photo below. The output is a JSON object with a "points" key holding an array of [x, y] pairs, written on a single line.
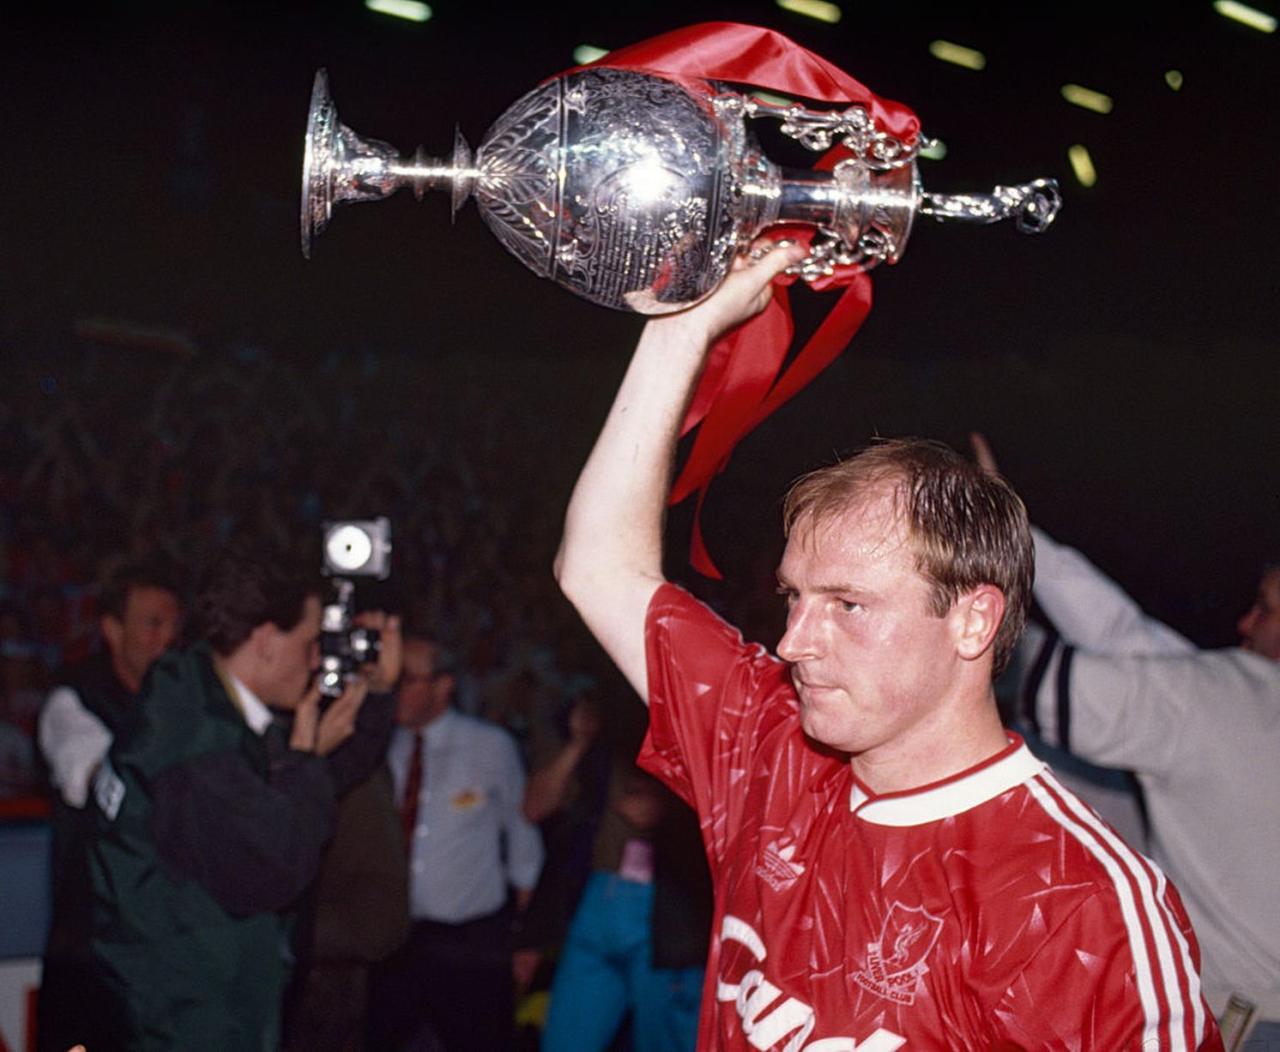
{"points": [[211, 816]]}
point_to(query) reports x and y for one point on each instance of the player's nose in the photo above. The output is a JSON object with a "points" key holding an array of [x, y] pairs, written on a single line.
{"points": [[799, 641]]}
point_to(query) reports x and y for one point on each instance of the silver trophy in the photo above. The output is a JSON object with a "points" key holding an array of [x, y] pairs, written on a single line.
{"points": [[636, 192]]}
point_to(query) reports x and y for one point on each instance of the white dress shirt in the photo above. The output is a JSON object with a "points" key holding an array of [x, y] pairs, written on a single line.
{"points": [[255, 713], [471, 840]]}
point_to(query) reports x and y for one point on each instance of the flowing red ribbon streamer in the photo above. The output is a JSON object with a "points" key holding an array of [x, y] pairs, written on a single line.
{"points": [[741, 384]]}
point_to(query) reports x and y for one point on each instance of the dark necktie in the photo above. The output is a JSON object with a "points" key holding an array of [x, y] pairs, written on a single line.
{"points": [[412, 790]]}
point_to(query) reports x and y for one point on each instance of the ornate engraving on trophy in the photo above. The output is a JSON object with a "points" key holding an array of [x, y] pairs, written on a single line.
{"points": [[626, 245], [518, 190], [644, 155]]}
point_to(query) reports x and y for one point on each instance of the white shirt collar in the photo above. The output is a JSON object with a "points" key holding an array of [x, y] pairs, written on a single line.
{"points": [[256, 714], [952, 796], [431, 731]]}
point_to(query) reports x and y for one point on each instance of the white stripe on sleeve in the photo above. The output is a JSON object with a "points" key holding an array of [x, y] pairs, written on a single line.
{"points": [[1122, 863]]}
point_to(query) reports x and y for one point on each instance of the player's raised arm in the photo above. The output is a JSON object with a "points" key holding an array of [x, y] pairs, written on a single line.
{"points": [[610, 558]]}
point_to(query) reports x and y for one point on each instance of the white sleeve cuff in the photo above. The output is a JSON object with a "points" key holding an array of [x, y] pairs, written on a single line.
{"points": [[73, 741]]}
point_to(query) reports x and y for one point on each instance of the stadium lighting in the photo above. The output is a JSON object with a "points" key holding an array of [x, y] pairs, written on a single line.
{"points": [[411, 10], [1246, 15], [818, 9], [1082, 165], [958, 55], [1086, 98]]}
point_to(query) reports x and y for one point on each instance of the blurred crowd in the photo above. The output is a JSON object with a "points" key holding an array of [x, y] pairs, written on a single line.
{"points": [[97, 470], [100, 475]]}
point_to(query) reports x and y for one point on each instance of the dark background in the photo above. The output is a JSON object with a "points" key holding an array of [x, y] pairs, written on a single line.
{"points": [[1123, 364]]}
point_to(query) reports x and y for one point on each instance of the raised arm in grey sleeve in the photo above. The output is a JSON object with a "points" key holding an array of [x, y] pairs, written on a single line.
{"points": [[1090, 611]]}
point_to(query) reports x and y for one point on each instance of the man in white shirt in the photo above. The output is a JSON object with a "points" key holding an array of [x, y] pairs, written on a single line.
{"points": [[471, 855]]}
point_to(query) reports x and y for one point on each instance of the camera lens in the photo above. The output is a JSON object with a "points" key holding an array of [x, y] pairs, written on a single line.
{"points": [[365, 645]]}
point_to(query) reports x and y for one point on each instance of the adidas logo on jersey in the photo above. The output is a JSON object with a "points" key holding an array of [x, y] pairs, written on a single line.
{"points": [[778, 867]]}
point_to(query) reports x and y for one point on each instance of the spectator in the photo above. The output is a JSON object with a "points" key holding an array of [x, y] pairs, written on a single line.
{"points": [[356, 915], [639, 937], [140, 616], [469, 850]]}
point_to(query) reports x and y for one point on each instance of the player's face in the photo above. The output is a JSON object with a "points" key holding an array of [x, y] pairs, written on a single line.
{"points": [[293, 656], [1259, 628], [871, 662], [147, 628]]}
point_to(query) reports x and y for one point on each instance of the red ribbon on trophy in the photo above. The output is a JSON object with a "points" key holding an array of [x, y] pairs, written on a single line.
{"points": [[743, 382]]}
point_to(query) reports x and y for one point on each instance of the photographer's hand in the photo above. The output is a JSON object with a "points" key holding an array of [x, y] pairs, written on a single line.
{"points": [[338, 722], [383, 675], [305, 718]]}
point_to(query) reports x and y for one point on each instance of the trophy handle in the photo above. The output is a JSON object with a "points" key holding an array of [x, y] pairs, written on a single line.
{"points": [[340, 166], [818, 130], [1033, 206], [864, 209]]}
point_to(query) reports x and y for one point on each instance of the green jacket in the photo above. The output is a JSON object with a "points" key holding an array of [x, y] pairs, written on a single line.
{"points": [[206, 833]]}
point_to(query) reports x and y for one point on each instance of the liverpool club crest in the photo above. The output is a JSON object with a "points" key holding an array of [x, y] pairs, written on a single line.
{"points": [[896, 963]]}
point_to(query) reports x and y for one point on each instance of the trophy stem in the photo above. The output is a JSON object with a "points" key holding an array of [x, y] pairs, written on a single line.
{"points": [[424, 173], [807, 196], [342, 167]]}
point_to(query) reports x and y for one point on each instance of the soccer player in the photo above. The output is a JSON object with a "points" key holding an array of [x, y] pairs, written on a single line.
{"points": [[892, 868]]}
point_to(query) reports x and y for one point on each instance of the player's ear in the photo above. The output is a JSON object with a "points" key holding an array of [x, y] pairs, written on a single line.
{"points": [[976, 618]]}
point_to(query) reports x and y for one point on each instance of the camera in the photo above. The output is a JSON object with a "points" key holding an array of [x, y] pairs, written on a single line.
{"points": [[352, 548]]}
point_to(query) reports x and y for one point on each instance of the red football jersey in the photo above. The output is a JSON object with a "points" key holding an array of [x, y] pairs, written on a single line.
{"points": [[992, 910]]}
